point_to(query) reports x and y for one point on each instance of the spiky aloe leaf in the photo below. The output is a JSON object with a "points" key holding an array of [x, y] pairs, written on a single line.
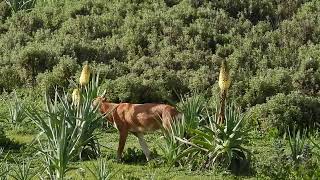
{"points": [[183, 154], [100, 171], [206, 135]]}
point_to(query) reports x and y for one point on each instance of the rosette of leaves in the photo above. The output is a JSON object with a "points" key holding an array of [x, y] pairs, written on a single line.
{"points": [[68, 130], [221, 144]]}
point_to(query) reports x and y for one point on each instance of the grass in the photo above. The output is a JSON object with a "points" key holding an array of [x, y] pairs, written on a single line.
{"points": [[19, 138], [144, 170], [262, 147], [155, 169]]}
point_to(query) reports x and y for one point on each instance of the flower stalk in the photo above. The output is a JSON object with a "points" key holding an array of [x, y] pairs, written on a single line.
{"points": [[85, 75], [76, 97], [224, 84]]}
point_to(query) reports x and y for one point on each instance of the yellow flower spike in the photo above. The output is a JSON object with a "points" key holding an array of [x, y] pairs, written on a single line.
{"points": [[224, 76], [85, 75], [76, 97]]}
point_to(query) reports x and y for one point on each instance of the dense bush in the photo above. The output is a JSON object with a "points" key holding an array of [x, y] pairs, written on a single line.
{"points": [[4, 10], [307, 78], [59, 77], [36, 59], [10, 78], [153, 50], [290, 110], [267, 84], [282, 166]]}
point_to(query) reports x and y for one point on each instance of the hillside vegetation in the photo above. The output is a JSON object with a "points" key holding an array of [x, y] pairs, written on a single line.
{"points": [[152, 51], [165, 50]]}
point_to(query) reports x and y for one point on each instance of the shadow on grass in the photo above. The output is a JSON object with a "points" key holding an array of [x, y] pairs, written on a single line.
{"points": [[136, 156], [242, 168], [7, 144]]}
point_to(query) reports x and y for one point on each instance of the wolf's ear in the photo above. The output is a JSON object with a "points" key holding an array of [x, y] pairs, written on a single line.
{"points": [[104, 93]]}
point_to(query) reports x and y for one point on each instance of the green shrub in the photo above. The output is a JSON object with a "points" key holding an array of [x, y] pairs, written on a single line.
{"points": [[167, 46], [90, 27], [35, 59], [265, 85], [10, 78], [307, 78], [30, 97], [4, 10], [125, 88], [304, 26], [60, 76], [10, 43], [283, 166], [290, 110], [28, 22]]}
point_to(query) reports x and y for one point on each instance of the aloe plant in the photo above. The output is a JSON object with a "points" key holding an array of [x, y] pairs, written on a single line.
{"points": [[23, 171], [191, 107], [16, 111], [90, 115], [219, 143], [62, 130], [297, 143], [171, 147], [4, 168], [68, 129], [100, 170]]}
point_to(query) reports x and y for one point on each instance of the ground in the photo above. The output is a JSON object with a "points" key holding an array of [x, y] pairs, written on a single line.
{"points": [[135, 165]]}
